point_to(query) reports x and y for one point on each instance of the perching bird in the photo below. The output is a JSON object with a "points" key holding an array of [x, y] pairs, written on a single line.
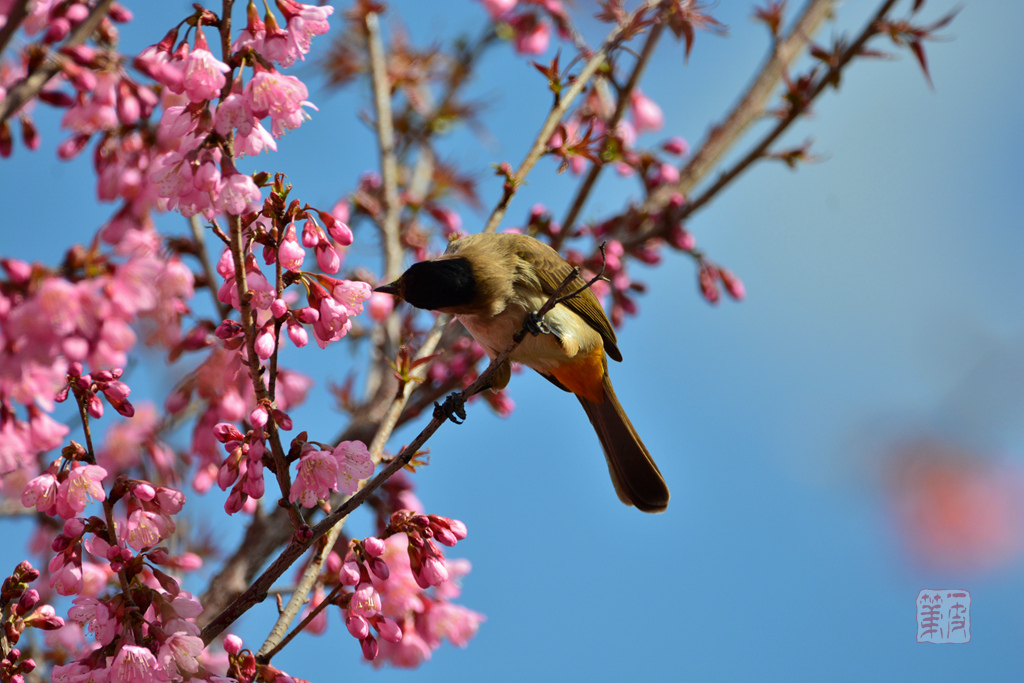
{"points": [[491, 283]]}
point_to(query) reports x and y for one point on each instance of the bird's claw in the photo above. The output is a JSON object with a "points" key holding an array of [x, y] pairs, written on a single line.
{"points": [[535, 325], [453, 408]]}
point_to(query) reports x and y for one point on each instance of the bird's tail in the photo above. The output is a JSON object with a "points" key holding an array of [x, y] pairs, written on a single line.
{"points": [[636, 478]]}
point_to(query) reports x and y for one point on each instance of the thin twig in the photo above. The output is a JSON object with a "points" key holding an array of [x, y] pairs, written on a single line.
{"points": [[265, 657], [794, 112], [751, 105], [15, 16], [554, 118], [386, 147], [255, 367], [30, 86], [204, 262], [583, 192], [279, 636]]}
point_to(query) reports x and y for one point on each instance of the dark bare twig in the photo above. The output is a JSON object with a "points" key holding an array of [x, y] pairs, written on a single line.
{"points": [[30, 86], [15, 16]]}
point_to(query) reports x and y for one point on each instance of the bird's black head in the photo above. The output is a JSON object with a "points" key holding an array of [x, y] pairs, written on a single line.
{"points": [[435, 285]]}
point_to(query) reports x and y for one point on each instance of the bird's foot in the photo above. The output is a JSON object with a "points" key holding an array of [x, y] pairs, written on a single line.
{"points": [[453, 408], [535, 325]]}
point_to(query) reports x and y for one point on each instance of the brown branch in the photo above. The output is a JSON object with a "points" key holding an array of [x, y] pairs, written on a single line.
{"points": [[386, 147], [583, 192], [256, 369], [751, 106], [30, 86], [15, 16], [540, 144], [265, 657], [204, 262], [794, 112]]}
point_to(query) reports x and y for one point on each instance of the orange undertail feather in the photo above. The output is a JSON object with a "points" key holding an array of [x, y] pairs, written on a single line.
{"points": [[636, 478], [583, 375]]}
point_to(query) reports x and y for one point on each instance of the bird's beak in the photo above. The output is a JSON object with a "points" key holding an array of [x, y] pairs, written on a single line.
{"points": [[391, 288]]}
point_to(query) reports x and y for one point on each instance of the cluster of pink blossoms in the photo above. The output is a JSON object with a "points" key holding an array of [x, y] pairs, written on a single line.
{"points": [[196, 175], [402, 587], [50, 326], [68, 334]]}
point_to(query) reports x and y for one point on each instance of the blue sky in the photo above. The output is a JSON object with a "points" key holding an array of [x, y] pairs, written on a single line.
{"points": [[884, 303]]}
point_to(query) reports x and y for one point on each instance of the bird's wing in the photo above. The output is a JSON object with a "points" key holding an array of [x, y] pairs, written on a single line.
{"points": [[551, 270]]}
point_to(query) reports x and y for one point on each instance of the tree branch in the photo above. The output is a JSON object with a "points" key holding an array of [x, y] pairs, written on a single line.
{"points": [[583, 192], [540, 144], [30, 86]]}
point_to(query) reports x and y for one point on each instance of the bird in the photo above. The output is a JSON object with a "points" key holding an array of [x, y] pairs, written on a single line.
{"points": [[492, 283]]}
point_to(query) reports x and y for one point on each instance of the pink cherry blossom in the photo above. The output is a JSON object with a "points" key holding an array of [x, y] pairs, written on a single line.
{"points": [[75, 492], [497, 8], [647, 115], [270, 93], [204, 73], [239, 192], [135, 664], [354, 463], [145, 529], [181, 651], [41, 493], [532, 34], [316, 477]]}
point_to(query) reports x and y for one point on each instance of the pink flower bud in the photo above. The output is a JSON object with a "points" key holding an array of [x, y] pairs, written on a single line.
{"points": [[445, 537], [379, 568], [94, 407], [311, 235], [733, 285], [235, 501], [374, 546], [225, 432], [433, 571], [680, 238], [28, 600], [232, 644], [159, 556], [264, 346], [647, 115], [119, 13], [706, 279], [370, 648], [72, 147], [77, 13], [676, 145], [297, 333], [349, 573], [282, 419], [308, 315], [389, 630], [74, 527], [458, 528], [57, 31], [188, 562], [279, 308], [259, 417], [358, 626]]}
